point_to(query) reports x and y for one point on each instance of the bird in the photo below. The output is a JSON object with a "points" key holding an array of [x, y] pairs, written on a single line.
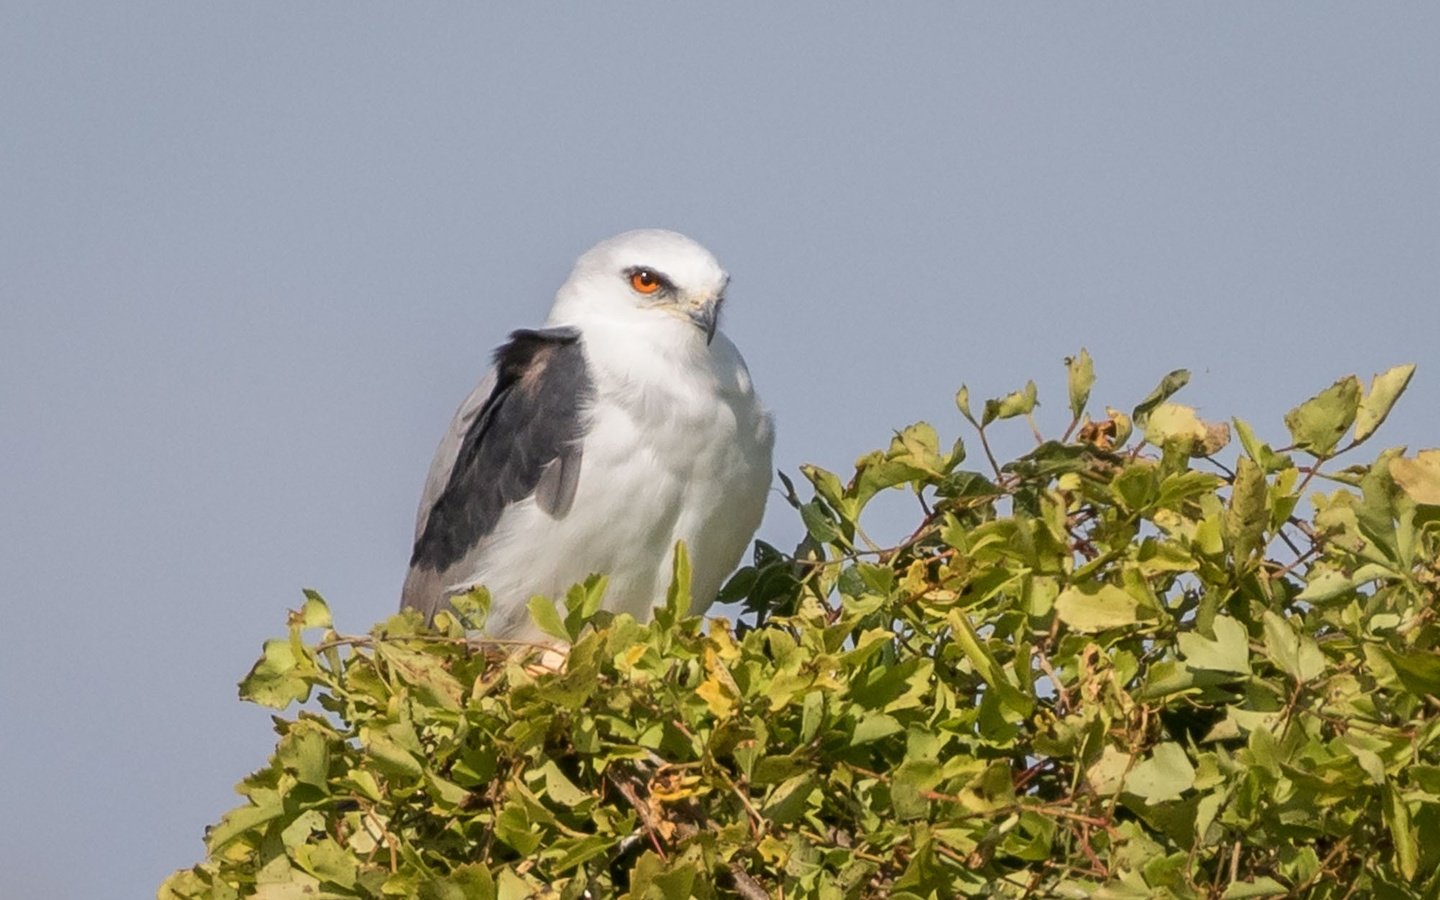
{"points": [[626, 423]]}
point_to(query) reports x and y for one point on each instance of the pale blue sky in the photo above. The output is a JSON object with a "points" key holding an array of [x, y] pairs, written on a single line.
{"points": [[252, 256]]}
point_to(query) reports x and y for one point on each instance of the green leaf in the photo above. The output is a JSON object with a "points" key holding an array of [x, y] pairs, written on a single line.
{"points": [[389, 757], [1298, 655], [1163, 391], [962, 403], [467, 881], [1402, 832], [426, 674], [1096, 608], [677, 595], [1260, 886], [545, 616], [918, 448], [274, 680], [1318, 424], [1015, 403], [1418, 670], [1164, 775], [1326, 584], [819, 523], [873, 727], [314, 613], [328, 861], [1248, 512], [986, 665], [514, 826], [1228, 652], [472, 608], [1385, 389], [874, 472], [1080, 375], [826, 484], [789, 800], [560, 788], [909, 785], [1260, 452], [791, 497], [239, 821], [305, 752], [582, 602]]}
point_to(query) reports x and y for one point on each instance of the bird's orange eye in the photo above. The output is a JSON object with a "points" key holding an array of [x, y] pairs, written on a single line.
{"points": [[645, 281]]}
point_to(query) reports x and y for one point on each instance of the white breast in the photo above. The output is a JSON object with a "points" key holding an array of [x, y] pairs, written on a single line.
{"points": [[679, 448]]}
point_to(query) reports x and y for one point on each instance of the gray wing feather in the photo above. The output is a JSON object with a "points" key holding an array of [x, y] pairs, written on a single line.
{"points": [[449, 448], [518, 434], [556, 490]]}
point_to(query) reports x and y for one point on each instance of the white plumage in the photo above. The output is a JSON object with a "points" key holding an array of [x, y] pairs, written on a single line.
{"points": [[670, 440]]}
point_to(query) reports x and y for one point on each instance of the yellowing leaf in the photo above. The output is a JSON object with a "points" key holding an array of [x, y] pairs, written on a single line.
{"points": [[716, 697], [1419, 477], [1124, 426], [1174, 423], [1107, 772], [1385, 389], [1217, 437]]}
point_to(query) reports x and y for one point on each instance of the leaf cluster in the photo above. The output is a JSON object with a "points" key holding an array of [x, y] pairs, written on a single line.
{"points": [[1112, 667]]}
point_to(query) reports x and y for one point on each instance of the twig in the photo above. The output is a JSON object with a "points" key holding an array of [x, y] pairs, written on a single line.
{"points": [[745, 886], [985, 444], [641, 808]]}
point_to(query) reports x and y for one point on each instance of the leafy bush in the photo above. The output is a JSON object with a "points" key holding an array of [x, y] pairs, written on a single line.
{"points": [[1112, 667]]}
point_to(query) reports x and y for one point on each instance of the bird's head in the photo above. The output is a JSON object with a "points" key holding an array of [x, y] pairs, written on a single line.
{"points": [[643, 274]]}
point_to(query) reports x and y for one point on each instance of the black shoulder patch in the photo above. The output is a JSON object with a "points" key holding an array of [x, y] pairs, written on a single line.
{"points": [[532, 423]]}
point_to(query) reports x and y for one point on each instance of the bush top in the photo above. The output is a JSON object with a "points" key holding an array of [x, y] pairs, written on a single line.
{"points": [[1112, 667]]}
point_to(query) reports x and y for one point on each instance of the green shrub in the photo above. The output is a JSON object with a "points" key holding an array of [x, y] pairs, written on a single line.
{"points": [[1112, 667]]}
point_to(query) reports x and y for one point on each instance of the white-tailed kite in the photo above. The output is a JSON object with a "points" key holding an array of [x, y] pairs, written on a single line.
{"points": [[624, 425]]}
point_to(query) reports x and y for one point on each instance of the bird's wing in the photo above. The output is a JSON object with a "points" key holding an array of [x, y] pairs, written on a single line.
{"points": [[518, 433], [449, 448]]}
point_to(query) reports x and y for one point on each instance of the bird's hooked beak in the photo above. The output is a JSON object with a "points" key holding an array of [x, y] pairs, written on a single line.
{"points": [[705, 313]]}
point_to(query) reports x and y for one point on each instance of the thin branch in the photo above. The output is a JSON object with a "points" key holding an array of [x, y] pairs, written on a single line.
{"points": [[747, 887], [985, 444]]}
